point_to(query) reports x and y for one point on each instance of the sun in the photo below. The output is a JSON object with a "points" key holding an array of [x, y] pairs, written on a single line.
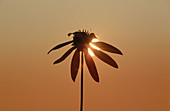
{"points": [[90, 52], [95, 47], [95, 40]]}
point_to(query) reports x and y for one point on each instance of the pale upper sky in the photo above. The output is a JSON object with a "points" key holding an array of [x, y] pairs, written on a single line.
{"points": [[30, 82]]}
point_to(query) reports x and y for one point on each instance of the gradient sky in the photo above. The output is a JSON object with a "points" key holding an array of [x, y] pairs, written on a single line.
{"points": [[30, 82]]}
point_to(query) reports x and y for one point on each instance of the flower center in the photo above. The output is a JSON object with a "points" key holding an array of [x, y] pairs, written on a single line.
{"points": [[82, 39]]}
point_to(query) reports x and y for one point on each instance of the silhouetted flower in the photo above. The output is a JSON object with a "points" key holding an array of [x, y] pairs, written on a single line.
{"points": [[82, 43]]}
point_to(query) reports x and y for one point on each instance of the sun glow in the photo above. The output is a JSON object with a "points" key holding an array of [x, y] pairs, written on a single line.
{"points": [[95, 47], [95, 40], [90, 52]]}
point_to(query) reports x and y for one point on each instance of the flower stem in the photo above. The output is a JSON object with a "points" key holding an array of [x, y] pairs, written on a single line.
{"points": [[81, 104]]}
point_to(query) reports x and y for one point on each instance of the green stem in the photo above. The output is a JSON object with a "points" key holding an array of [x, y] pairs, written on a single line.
{"points": [[81, 104]]}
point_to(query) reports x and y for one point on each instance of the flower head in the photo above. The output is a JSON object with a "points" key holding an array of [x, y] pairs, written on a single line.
{"points": [[82, 42]]}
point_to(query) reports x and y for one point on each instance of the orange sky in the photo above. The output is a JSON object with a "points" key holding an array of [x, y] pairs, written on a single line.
{"points": [[30, 82]]}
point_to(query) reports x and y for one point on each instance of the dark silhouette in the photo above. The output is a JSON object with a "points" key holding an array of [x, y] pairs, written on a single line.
{"points": [[81, 42]]}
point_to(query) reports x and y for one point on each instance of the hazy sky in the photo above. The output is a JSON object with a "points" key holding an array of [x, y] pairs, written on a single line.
{"points": [[30, 82]]}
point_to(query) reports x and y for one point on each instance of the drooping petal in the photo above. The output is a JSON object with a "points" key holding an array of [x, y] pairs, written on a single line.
{"points": [[91, 66], [60, 45], [107, 47], [75, 64], [64, 56], [104, 57]]}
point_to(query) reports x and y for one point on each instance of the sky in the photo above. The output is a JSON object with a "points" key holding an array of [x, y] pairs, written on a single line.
{"points": [[30, 82]]}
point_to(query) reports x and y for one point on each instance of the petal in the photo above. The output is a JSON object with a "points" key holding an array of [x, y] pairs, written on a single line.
{"points": [[64, 56], [60, 45], [104, 57], [91, 66], [75, 64], [107, 47]]}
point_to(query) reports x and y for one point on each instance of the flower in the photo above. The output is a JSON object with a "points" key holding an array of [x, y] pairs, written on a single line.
{"points": [[81, 43]]}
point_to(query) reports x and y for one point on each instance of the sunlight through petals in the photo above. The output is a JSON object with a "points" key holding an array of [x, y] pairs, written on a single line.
{"points": [[95, 40], [90, 52], [95, 47]]}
